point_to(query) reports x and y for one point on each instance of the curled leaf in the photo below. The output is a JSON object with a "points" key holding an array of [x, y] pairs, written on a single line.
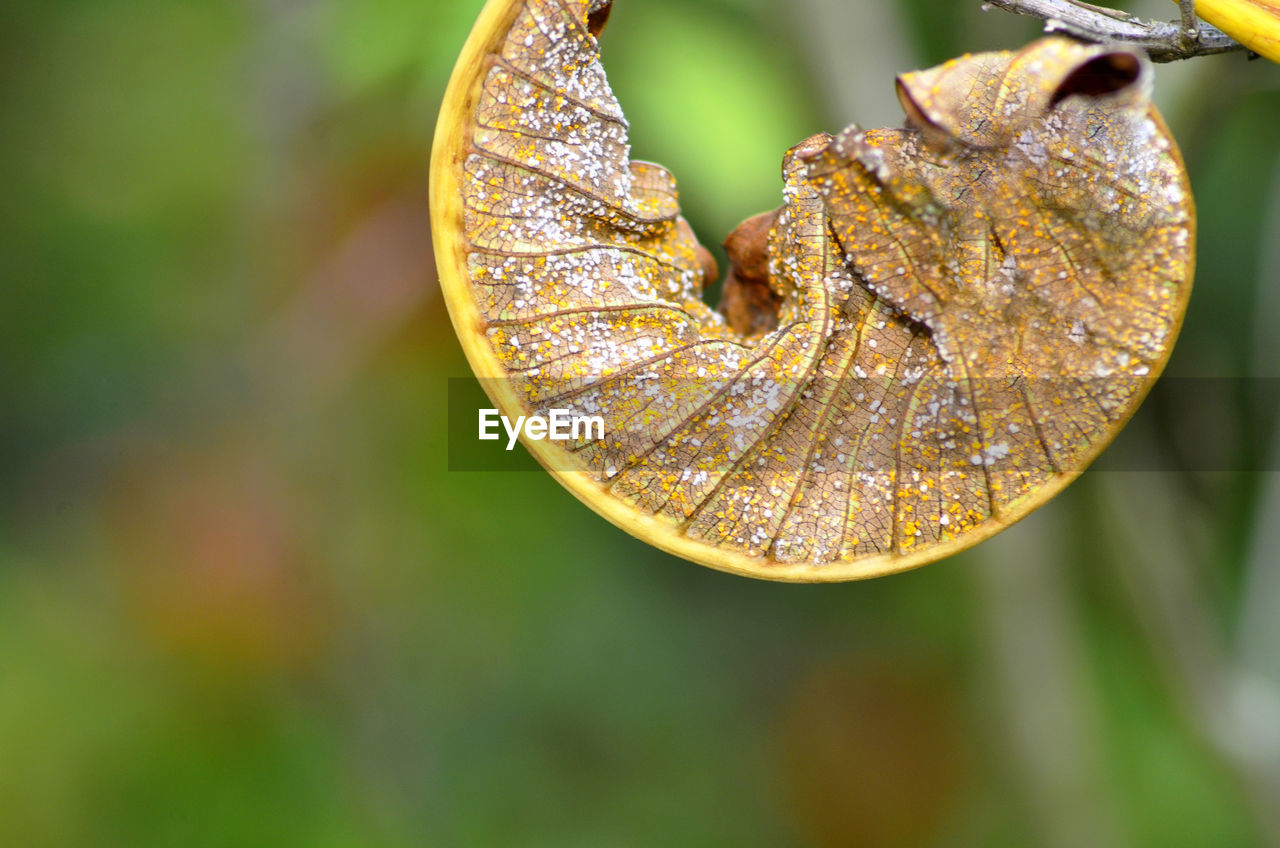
{"points": [[940, 327]]}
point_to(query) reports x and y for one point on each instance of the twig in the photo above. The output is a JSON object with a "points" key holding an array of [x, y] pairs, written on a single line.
{"points": [[1163, 41]]}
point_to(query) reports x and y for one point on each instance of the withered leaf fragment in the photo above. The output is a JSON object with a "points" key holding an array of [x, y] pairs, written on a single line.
{"points": [[940, 328]]}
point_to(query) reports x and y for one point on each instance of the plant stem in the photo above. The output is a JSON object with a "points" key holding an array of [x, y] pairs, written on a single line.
{"points": [[1163, 41]]}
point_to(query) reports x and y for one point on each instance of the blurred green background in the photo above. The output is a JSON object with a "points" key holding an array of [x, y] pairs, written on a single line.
{"points": [[244, 602]]}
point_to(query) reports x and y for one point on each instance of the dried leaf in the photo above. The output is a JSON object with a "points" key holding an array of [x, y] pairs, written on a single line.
{"points": [[967, 309]]}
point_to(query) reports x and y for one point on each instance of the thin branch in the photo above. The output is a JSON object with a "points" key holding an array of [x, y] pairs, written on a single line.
{"points": [[1163, 41]]}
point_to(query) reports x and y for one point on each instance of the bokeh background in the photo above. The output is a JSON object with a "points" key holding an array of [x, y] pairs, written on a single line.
{"points": [[243, 601]]}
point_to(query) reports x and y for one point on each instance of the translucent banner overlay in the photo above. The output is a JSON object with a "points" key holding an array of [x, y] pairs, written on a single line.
{"points": [[1188, 424]]}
